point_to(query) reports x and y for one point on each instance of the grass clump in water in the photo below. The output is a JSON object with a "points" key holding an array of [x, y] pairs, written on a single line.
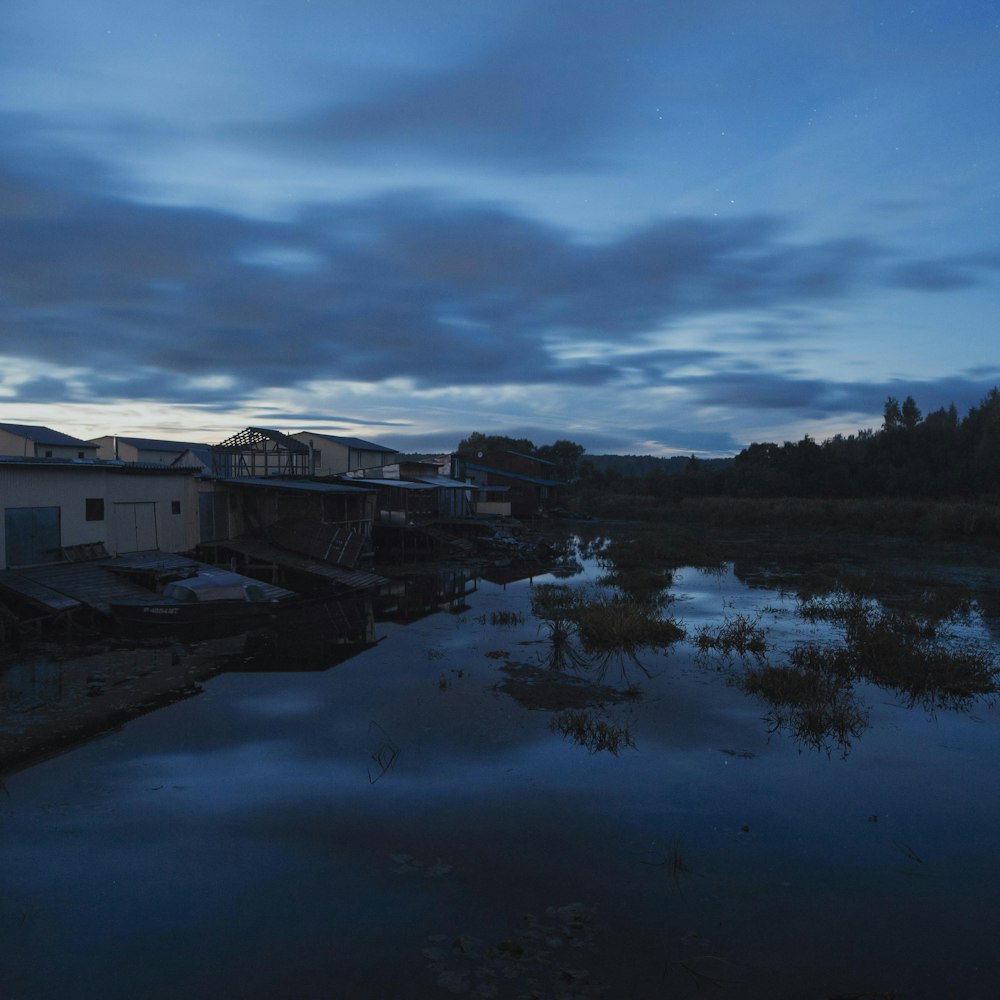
{"points": [[587, 730], [605, 624], [813, 697], [904, 653], [618, 623], [506, 618], [738, 634]]}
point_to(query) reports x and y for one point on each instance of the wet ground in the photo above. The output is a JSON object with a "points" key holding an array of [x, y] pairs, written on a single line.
{"points": [[442, 813]]}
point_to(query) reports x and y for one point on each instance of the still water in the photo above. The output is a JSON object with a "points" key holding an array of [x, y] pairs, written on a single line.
{"points": [[416, 822]]}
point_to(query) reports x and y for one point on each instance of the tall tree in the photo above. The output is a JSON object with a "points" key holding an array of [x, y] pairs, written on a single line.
{"points": [[892, 416], [910, 413], [565, 455]]}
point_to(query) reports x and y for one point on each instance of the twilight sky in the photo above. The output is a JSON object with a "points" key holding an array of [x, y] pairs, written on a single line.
{"points": [[651, 227]]}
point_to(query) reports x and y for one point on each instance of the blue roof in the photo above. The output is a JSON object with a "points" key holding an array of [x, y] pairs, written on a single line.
{"points": [[515, 475], [534, 458], [301, 485]]}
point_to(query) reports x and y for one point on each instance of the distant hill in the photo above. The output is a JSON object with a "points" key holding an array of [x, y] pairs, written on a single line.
{"points": [[636, 466]]}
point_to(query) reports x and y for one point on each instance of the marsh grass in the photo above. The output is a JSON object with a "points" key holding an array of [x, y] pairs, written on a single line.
{"points": [[619, 623], [906, 653], [813, 698], [588, 730], [738, 634], [922, 518], [604, 625], [506, 618]]}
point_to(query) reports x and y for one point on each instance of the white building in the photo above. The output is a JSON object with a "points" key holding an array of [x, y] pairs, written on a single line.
{"points": [[333, 456], [31, 441], [133, 449], [50, 505]]}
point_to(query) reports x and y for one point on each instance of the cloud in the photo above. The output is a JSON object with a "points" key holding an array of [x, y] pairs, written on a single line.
{"points": [[932, 276], [201, 306], [817, 399], [545, 94]]}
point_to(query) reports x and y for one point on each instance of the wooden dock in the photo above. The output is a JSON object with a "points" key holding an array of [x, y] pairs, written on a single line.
{"points": [[61, 589]]}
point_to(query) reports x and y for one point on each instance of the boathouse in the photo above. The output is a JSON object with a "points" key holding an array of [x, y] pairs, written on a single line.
{"points": [[332, 455], [31, 441], [51, 505], [152, 450], [532, 487]]}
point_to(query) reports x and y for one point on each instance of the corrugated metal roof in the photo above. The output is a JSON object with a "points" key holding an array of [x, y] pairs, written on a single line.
{"points": [[534, 458], [45, 435], [96, 464], [302, 486], [444, 482], [396, 484]]}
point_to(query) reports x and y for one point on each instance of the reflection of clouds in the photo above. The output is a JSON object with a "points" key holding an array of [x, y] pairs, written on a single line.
{"points": [[279, 704], [232, 779]]}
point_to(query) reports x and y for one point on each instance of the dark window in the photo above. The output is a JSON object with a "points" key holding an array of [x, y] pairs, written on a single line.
{"points": [[95, 508], [48, 454], [79, 454], [175, 506]]}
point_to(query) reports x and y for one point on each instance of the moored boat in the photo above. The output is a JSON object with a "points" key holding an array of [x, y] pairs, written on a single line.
{"points": [[209, 597]]}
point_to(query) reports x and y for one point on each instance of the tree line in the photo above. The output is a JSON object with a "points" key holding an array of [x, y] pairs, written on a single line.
{"points": [[937, 456]]}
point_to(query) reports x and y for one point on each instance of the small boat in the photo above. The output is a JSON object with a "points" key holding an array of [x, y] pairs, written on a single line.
{"points": [[207, 598]]}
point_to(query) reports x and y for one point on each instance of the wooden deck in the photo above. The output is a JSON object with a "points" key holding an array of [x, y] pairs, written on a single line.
{"points": [[65, 587]]}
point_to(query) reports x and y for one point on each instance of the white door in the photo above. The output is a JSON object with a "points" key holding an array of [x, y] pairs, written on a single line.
{"points": [[135, 527]]}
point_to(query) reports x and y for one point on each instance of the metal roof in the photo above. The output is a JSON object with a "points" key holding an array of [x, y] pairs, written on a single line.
{"points": [[44, 435], [396, 484], [153, 444], [444, 482], [302, 486], [534, 458], [515, 475], [352, 442], [201, 452], [98, 464]]}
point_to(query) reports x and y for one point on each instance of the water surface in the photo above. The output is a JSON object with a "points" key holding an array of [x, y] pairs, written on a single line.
{"points": [[408, 824]]}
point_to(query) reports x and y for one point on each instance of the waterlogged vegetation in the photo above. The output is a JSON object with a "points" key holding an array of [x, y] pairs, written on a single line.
{"points": [[604, 624], [677, 767], [587, 729]]}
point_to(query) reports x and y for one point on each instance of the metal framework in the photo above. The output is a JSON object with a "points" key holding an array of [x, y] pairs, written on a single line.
{"points": [[259, 451]]}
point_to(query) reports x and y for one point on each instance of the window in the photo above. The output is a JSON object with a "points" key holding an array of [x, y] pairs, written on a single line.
{"points": [[175, 506], [79, 454], [48, 453], [95, 508]]}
